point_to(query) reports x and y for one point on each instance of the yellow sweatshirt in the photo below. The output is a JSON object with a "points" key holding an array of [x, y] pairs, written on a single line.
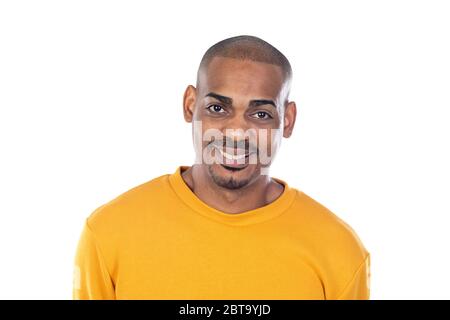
{"points": [[159, 241]]}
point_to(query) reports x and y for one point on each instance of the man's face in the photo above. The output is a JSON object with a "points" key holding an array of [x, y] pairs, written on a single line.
{"points": [[238, 117]]}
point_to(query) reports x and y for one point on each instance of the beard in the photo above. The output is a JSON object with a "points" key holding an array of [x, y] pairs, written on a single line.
{"points": [[229, 182]]}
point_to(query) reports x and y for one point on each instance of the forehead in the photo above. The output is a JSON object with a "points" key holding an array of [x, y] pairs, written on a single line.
{"points": [[236, 77]]}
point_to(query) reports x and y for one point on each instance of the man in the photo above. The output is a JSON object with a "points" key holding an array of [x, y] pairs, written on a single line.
{"points": [[223, 228]]}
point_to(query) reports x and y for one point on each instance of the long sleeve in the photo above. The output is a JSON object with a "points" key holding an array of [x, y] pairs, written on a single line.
{"points": [[359, 286], [91, 279]]}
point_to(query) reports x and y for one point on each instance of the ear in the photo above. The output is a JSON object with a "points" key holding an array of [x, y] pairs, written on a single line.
{"points": [[290, 114], [189, 98]]}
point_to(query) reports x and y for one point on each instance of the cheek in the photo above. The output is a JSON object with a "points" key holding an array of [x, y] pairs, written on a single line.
{"points": [[269, 140], [276, 140], [197, 136], [203, 133], [208, 122]]}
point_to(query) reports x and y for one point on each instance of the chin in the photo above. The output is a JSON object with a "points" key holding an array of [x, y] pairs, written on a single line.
{"points": [[233, 178]]}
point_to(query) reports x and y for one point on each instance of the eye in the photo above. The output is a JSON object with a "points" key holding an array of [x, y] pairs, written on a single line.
{"points": [[261, 115], [215, 108]]}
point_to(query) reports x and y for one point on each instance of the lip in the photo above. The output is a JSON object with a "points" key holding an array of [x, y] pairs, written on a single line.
{"points": [[231, 161], [233, 168], [232, 156]]}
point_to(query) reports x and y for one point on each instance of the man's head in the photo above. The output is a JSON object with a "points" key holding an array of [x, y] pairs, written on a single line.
{"points": [[240, 109]]}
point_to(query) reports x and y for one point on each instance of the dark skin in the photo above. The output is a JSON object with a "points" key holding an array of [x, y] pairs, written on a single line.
{"points": [[257, 98]]}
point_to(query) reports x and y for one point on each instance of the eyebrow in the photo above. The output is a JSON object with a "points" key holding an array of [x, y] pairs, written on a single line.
{"points": [[252, 103]]}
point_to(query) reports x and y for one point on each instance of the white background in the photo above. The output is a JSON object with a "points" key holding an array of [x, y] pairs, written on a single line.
{"points": [[90, 100]]}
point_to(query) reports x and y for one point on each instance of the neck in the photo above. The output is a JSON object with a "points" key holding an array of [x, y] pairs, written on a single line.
{"points": [[259, 193]]}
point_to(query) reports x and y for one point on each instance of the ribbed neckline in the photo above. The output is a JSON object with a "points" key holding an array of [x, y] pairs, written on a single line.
{"points": [[257, 215]]}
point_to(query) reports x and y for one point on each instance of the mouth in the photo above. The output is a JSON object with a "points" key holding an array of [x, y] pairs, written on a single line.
{"points": [[229, 168], [231, 156], [234, 161]]}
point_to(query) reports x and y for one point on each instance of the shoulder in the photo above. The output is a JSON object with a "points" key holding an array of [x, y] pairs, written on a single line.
{"points": [[332, 244], [331, 238], [320, 220], [128, 206]]}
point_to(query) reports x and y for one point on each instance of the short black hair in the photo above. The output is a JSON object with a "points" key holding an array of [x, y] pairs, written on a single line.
{"points": [[247, 47]]}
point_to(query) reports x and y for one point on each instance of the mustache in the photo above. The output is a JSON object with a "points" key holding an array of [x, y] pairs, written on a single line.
{"points": [[230, 143]]}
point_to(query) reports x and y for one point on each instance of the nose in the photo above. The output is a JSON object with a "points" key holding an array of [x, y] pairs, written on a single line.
{"points": [[236, 127], [238, 134]]}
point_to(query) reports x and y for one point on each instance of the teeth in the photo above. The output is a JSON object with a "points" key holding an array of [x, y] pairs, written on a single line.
{"points": [[231, 156]]}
